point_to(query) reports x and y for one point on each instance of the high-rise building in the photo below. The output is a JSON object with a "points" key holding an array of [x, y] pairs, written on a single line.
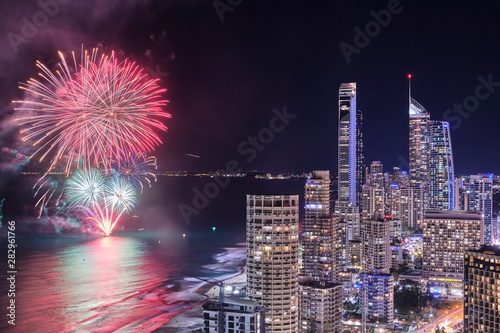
{"points": [[495, 230], [419, 146], [318, 260], [350, 149], [411, 207], [446, 235], [461, 195], [480, 192], [373, 199], [240, 315], [375, 249], [321, 307], [350, 215], [272, 258], [481, 290], [320, 300], [441, 169], [376, 174], [377, 301]]}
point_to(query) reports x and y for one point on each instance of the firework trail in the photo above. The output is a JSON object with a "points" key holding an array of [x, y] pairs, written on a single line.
{"points": [[90, 114]]}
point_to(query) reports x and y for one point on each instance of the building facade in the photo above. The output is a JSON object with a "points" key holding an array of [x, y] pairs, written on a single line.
{"points": [[446, 236], [272, 258], [377, 300], [482, 290], [321, 307], [480, 195], [350, 147], [419, 148], [240, 316], [411, 207], [318, 229], [441, 167], [375, 245]]}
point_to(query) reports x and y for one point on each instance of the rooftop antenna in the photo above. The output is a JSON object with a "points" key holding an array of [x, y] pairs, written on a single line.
{"points": [[409, 89]]}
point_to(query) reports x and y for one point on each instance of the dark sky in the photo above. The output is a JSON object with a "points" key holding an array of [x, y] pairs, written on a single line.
{"points": [[227, 76]]}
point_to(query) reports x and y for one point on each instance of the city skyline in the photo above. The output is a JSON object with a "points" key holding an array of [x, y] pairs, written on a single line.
{"points": [[269, 75]]}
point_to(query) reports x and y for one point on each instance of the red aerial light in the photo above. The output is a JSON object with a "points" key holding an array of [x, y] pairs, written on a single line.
{"points": [[409, 76]]}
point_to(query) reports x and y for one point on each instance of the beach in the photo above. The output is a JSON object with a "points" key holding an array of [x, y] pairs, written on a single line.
{"points": [[191, 319]]}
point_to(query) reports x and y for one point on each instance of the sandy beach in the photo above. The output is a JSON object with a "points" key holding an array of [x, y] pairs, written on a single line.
{"points": [[190, 320]]}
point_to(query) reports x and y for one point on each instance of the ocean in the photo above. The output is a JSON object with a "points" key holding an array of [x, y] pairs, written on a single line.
{"points": [[132, 281]]}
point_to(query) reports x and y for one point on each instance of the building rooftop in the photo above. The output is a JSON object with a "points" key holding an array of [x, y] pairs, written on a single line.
{"points": [[487, 249], [453, 215], [412, 272], [319, 285]]}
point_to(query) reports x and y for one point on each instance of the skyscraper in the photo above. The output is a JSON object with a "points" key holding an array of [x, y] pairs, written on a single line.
{"points": [[481, 295], [376, 175], [441, 169], [318, 260], [480, 192], [320, 300], [350, 149], [412, 209], [419, 146], [373, 199], [272, 258], [375, 248]]}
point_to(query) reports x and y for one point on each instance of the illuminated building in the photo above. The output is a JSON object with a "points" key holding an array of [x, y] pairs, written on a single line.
{"points": [[272, 258], [411, 207], [350, 156], [320, 300], [396, 255], [318, 229], [480, 192], [461, 195], [321, 307], [350, 215], [373, 199], [441, 169], [393, 202], [446, 235], [355, 253], [419, 146], [376, 174], [240, 315], [375, 249], [482, 290], [377, 300]]}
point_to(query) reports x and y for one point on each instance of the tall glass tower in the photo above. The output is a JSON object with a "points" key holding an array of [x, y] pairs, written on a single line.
{"points": [[350, 149], [441, 169], [419, 147]]}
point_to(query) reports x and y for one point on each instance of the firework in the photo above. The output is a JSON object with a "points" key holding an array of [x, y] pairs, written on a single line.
{"points": [[90, 113], [85, 188], [106, 217], [138, 170], [104, 198], [120, 195]]}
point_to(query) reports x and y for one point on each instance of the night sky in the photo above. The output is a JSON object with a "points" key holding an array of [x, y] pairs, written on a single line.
{"points": [[225, 77]]}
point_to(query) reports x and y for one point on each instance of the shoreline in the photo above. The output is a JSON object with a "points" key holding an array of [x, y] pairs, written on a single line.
{"points": [[191, 319]]}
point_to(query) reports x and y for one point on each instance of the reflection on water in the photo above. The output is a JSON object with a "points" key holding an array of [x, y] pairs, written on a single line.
{"points": [[108, 284]]}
